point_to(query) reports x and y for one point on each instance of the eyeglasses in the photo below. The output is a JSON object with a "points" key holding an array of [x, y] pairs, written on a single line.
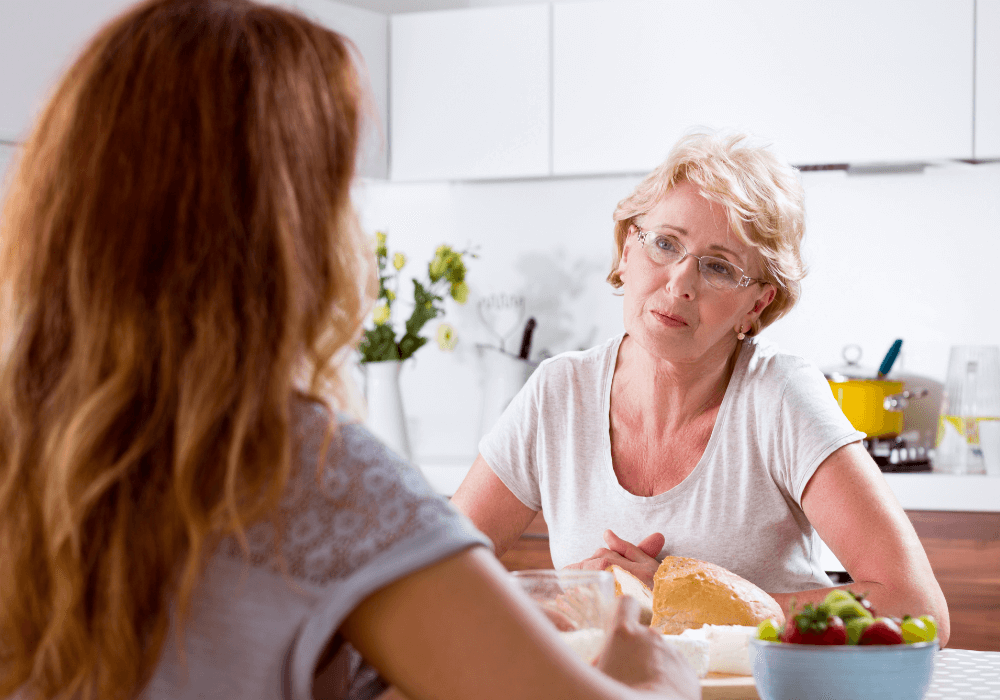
{"points": [[664, 249]]}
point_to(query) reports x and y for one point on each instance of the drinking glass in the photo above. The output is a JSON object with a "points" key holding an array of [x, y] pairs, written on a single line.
{"points": [[579, 603], [971, 398]]}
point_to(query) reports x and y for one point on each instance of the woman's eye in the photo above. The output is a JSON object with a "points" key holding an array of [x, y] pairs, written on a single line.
{"points": [[720, 268], [667, 244]]}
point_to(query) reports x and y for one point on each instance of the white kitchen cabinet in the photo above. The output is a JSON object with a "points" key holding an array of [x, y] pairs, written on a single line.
{"points": [[470, 93], [987, 79], [38, 41], [825, 82], [41, 38]]}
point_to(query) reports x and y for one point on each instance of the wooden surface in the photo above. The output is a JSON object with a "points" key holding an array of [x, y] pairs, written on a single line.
{"points": [[963, 548], [531, 551], [722, 686], [964, 551]]}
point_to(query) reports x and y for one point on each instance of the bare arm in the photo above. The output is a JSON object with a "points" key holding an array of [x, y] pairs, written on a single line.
{"points": [[461, 629], [852, 508], [493, 509]]}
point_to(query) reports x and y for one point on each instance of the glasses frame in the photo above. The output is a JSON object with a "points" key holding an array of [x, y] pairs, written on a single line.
{"points": [[744, 280]]}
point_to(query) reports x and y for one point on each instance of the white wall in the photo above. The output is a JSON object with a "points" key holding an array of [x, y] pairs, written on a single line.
{"points": [[909, 256]]}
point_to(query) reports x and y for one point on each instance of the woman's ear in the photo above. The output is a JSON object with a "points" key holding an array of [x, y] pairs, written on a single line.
{"points": [[623, 260], [761, 302]]}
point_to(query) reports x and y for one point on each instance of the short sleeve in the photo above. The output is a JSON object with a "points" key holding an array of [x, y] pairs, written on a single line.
{"points": [[511, 447], [370, 520], [811, 427]]}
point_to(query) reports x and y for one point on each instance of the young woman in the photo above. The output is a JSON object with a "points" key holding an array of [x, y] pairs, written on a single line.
{"points": [[182, 512]]}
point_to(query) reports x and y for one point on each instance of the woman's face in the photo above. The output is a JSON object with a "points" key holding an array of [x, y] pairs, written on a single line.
{"points": [[670, 309]]}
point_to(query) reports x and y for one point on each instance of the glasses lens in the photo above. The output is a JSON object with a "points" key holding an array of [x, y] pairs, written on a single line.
{"points": [[720, 273], [662, 249]]}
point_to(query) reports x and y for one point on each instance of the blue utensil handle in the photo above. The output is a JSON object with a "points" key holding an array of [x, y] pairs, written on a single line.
{"points": [[890, 358]]}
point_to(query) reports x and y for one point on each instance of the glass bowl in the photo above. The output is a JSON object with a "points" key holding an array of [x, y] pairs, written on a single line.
{"points": [[579, 603]]}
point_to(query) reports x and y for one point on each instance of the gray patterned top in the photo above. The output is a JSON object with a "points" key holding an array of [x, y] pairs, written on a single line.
{"points": [[260, 629]]}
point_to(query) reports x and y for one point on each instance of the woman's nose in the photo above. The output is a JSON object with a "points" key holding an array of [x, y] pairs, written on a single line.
{"points": [[684, 276]]}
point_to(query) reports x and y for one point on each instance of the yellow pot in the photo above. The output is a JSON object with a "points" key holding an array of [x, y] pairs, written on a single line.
{"points": [[871, 405]]}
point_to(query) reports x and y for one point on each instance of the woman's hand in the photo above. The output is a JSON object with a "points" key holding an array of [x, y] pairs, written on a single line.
{"points": [[638, 657], [639, 560]]}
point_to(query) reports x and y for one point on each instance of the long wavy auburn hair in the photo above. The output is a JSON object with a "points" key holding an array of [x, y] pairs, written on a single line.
{"points": [[180, 260]]}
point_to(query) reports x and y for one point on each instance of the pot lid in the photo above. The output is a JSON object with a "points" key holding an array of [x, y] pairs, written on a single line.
{"points": [[851, 369]]}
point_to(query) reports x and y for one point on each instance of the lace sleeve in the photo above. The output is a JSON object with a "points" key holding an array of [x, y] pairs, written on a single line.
{"points": [[361, 502]]}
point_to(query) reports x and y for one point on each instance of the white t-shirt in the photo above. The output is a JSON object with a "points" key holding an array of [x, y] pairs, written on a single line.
{"points": [[739, 508]]}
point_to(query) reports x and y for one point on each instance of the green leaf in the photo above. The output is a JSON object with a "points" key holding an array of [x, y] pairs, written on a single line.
{"points": [[409, 344], [379, 344], [424, 308]]}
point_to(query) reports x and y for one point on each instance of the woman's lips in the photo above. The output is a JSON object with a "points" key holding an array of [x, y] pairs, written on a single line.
{"points": [[670, 320]]}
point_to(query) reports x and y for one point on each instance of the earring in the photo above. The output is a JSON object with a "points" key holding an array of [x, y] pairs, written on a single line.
{"points": [[741, 335]]}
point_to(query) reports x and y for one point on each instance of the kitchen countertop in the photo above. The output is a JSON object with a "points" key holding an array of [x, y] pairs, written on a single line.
{"points": [[915, 491]]}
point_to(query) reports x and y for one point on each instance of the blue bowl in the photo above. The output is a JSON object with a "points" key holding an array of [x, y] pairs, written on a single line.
{"points": [[807, 672]]}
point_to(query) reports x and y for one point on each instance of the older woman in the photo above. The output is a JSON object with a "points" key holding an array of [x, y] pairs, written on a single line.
{"points": [[182, 513], [687, 435]]}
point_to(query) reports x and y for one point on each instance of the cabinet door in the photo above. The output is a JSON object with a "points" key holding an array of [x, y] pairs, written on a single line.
{"points": [[38, 41], [470, 93], [987, 79], [825, 82]]}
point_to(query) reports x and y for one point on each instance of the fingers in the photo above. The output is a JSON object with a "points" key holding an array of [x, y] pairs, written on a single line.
{"points": [[653, 544], [601, 560], [646, 550], [626, 611]]}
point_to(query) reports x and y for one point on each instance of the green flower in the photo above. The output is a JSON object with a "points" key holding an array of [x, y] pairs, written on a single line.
{"points": [[460, 292], [439, 265], [446, 271], [447, 338]]}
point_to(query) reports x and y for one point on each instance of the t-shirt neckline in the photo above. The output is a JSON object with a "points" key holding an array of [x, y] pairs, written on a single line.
{"points": [[609, 469]]}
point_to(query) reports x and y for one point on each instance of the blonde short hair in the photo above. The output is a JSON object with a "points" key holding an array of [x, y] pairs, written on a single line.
{"points": [[761, 193]]}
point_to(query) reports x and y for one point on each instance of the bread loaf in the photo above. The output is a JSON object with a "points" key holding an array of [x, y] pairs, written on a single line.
{"points": [[689, 593], [628, 584]]}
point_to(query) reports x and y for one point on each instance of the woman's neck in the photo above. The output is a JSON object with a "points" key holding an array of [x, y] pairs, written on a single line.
{"points": [[670, 395]]}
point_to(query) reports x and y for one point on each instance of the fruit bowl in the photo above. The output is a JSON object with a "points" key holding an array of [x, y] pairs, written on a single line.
{"points": [[842, 672]]}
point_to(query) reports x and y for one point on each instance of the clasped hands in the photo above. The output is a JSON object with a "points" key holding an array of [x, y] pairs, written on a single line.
{"points": [[638, 559]]}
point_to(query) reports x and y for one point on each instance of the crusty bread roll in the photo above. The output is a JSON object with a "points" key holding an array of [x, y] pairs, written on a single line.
{"points": [[626, 583], [689, 593]]}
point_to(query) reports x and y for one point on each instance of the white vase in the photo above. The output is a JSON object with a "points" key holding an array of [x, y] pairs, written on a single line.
{"points": [[386, 419]]}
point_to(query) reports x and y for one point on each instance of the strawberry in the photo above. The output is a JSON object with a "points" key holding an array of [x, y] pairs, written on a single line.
{"points": [[883, 631], [814, 625]]}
